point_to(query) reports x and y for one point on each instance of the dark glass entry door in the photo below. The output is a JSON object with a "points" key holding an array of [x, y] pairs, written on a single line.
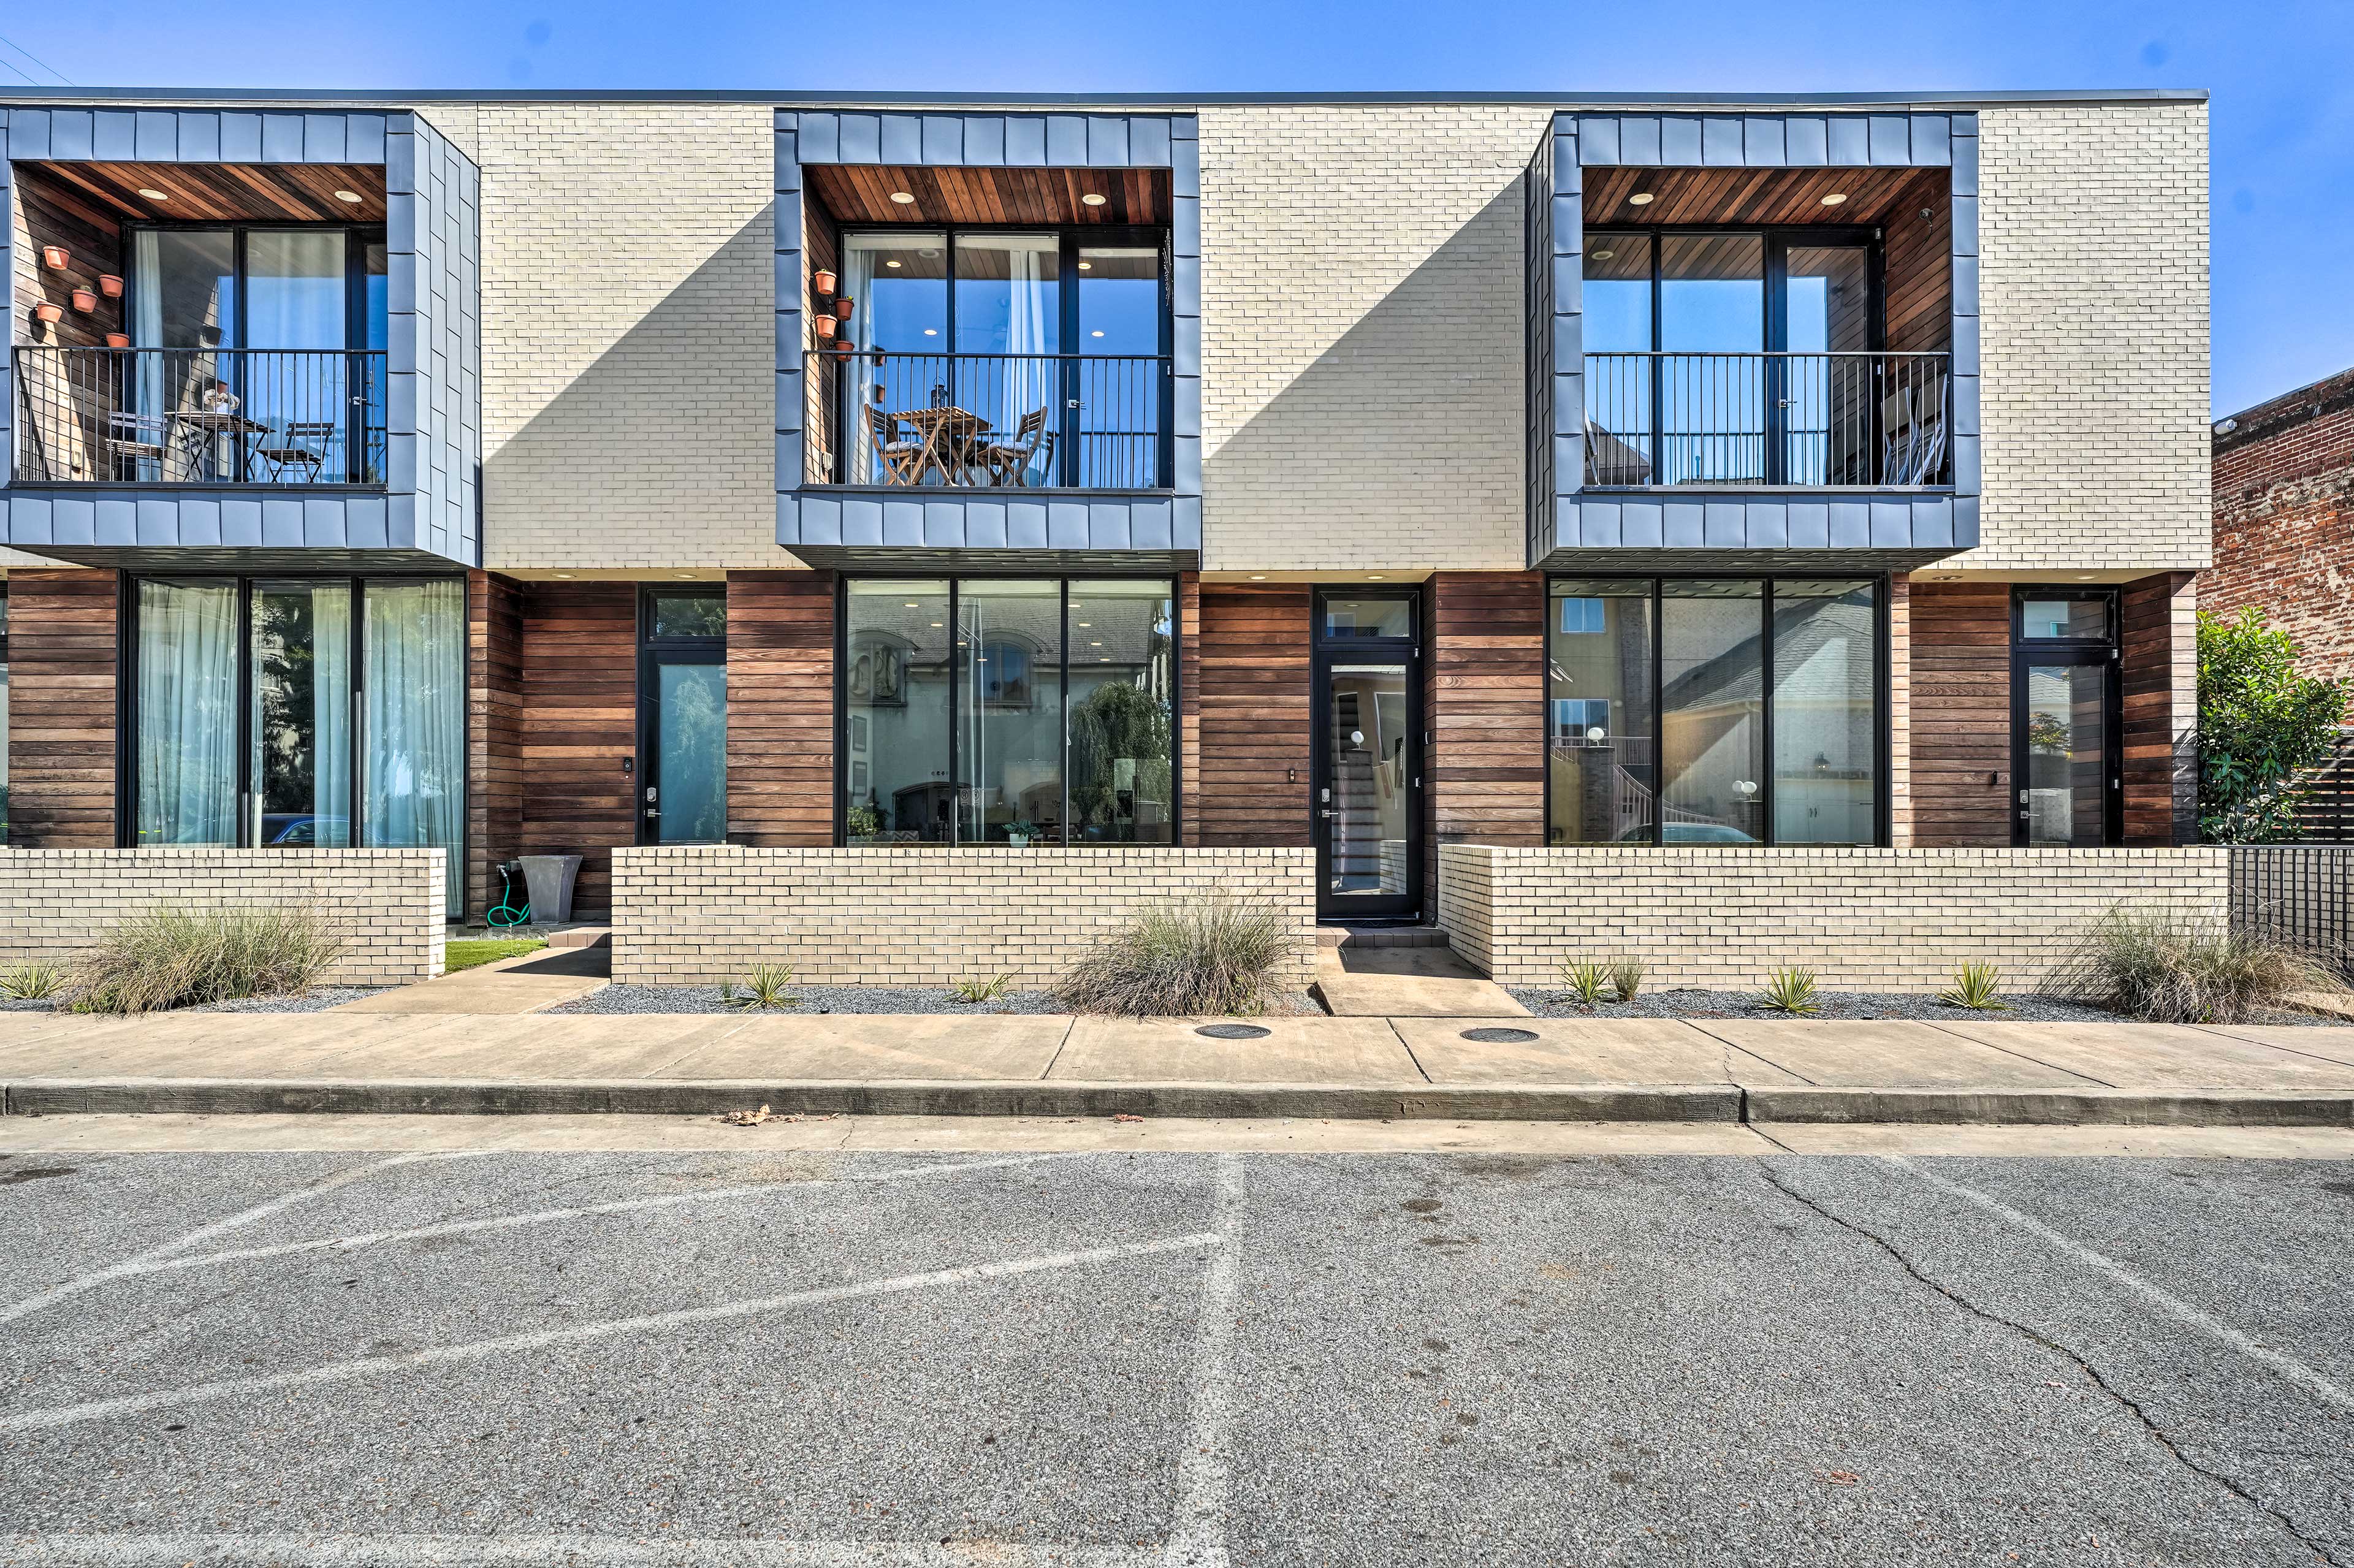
{"points": [[683, 718], [1368, 758]]}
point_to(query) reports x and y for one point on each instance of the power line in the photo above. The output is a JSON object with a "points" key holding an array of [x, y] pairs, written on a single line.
{"points": [[36, 59]]}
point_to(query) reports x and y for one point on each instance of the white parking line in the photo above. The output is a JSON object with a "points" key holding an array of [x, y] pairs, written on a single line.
{"points": [[480, 1350], [2174, 1307], [552, 1216], [143, 1262], [1196, 1529], [538, 1552]]}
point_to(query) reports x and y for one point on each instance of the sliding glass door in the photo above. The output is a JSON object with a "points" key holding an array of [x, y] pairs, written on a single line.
{"points": [[187, 786], [299, 735]]}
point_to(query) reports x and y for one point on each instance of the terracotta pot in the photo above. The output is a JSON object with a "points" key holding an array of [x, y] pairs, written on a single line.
{"points": [[84, 301], [844, 306], [845, 346], [49, 311], [823, 326], [110, 285], [118, 340], [822, 282], [56, 258]]}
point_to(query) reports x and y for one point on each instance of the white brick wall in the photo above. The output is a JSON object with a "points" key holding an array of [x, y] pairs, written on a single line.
{"points": [[387, 904], [685, 915], [1862, 919], [629, 335], [2092, 240], [1361, 373]]}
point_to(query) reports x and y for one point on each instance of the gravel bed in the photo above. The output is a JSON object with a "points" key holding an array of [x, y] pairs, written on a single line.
{"points": [[820, 999], [1551, 1001], [315, 1000]]}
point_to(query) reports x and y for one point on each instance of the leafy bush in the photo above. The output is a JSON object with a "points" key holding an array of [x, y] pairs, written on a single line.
{"points": [[975, 991], [2166, 966], [184, 958], [1584, 979], [2261, 725], [766, 986], [1977, 987], [35, 982], [1792, 992], [1208, 956], [1627, 977]]}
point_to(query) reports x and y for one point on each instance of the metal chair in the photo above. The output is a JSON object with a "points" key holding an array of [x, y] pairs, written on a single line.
{"points": [[300, 444], [1009, 461], [139, 438], [901, 460]]}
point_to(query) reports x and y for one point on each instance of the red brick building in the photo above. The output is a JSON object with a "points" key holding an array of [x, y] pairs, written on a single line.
{"points": [[2284, 520]]}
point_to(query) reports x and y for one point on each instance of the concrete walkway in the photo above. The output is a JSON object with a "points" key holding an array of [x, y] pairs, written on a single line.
{"points": [[1379, 1068], [1419, 981], [528, 982]]}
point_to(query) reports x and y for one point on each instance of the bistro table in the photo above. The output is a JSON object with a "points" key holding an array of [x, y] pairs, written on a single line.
{"points": [[949, 436], [201, 431]]}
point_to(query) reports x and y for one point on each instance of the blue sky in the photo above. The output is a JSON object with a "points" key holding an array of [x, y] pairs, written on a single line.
{"points": [[2282, 177]]}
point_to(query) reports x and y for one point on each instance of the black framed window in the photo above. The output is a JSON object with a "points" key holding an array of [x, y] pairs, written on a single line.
{"points": [[2067, 717], [1012, 711], [1716, 710]]}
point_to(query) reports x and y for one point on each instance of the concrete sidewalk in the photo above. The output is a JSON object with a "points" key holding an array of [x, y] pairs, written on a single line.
{"points": [[1382, 1068]]}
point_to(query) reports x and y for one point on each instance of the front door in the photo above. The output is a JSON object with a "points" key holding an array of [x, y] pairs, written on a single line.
{"points": [[2067, 729], [1367, 755], [683, 718]]}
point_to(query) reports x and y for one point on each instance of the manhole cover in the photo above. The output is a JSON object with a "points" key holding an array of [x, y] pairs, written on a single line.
{"points": [[1501, 1036], [1238, 1031]]}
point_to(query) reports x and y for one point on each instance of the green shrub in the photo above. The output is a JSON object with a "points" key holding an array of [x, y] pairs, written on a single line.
{"points": [[1172, 961], [2168, 966], [1586, 980], [2260, 726], [1977, 987], [35, 981], [1792, 992], [975, 991], [766, 986], [472, 952], [185, 958], [1627, 977]]}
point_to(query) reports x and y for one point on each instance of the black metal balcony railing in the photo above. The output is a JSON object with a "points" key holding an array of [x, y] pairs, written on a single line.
{"points": [[1003, 421], [1812, 420], [199, 416]]}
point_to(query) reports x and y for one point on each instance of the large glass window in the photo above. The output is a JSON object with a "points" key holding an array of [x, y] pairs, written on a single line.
{"points": [[1008, 711], [1710, 677], [414, 644]]}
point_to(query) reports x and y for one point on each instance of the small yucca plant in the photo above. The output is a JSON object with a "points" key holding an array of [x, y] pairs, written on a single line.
{"points": [[1975, 986], [1791, 990], [766, 986], [1627, 977], [975, 991], [35, 982], [1586, 980]]}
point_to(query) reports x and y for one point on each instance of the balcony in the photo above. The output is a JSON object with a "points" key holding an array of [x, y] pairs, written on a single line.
{"points": [[997, 421], [204, 417], [1844, 420]]}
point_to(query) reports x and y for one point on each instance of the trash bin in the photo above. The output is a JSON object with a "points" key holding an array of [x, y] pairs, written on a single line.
{"points": [[550, 879]]}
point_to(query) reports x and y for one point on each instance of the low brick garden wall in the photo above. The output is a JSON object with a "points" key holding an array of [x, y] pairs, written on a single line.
{"points": [[388, 904], [1862, 919], [918, 916]]}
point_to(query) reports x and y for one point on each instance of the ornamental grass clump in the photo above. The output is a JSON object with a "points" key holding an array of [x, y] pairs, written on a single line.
{"points": [[2169, 966], [1627, 977], [1215, 955], [169, 958]]}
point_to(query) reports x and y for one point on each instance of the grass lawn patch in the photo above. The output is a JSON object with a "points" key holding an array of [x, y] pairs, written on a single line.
{"points": [[470, 952]]}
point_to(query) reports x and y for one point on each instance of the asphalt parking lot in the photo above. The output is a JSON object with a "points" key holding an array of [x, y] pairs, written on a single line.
{"points": [[825, 1357]]}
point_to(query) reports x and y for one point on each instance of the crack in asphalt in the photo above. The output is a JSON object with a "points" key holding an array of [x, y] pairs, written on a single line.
{"points": [[2092, 1373]]}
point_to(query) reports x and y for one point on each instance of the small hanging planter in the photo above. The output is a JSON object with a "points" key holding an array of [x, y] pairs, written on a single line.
{"points": [[845, 346], [821, 282], [823, 326], [118, 340], [56, 258], [110, 285], [49, 311], [84, 301], [844, 306]]}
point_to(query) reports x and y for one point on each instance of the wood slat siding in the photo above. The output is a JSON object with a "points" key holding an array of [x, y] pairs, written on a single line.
{"points": [[1917, 265], [212, 193], [781, 708], [861, 193], [2158, 684], [48, 214], [1960, 714], [61, 705], [1742, 195], [494, 722], [579, 724], [1252, 674], [1189, 706], [1484, 772]]}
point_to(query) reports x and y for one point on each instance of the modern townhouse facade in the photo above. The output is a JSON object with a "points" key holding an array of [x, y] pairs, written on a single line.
{"points": [[1537, 515]]}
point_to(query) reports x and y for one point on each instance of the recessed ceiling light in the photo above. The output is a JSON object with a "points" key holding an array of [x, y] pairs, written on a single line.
{"points": [[1092, 199], [153, 194], [2087, 576], [1835, 198], [1604, 255], [1086, 266], [935, 626], [1374, 578], [1095, 644], [904, 199], [686, 576], [893, 263], [913, 605], [352, 197], [1097, 332], [1640, 199], [928, 254], [564, 574], [931, 332]]}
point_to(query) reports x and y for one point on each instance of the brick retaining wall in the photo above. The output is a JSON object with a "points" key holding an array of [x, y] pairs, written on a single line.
{"points": [[1876, 920], [388, 904], [918, 916]]}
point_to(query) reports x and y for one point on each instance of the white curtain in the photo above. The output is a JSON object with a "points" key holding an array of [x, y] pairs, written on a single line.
{"points": [[147, 332], [1008, 303], [331, 714], [860, 257], [185, 695], [294, 299], [415, 735]]}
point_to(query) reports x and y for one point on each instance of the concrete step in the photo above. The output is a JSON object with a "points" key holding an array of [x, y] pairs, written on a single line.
{"points": [[1366, 937], [582, 937]]}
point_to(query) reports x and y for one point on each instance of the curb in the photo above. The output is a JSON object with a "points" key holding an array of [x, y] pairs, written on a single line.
{"points": [[2052, 1108], [1026, 1098]]}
